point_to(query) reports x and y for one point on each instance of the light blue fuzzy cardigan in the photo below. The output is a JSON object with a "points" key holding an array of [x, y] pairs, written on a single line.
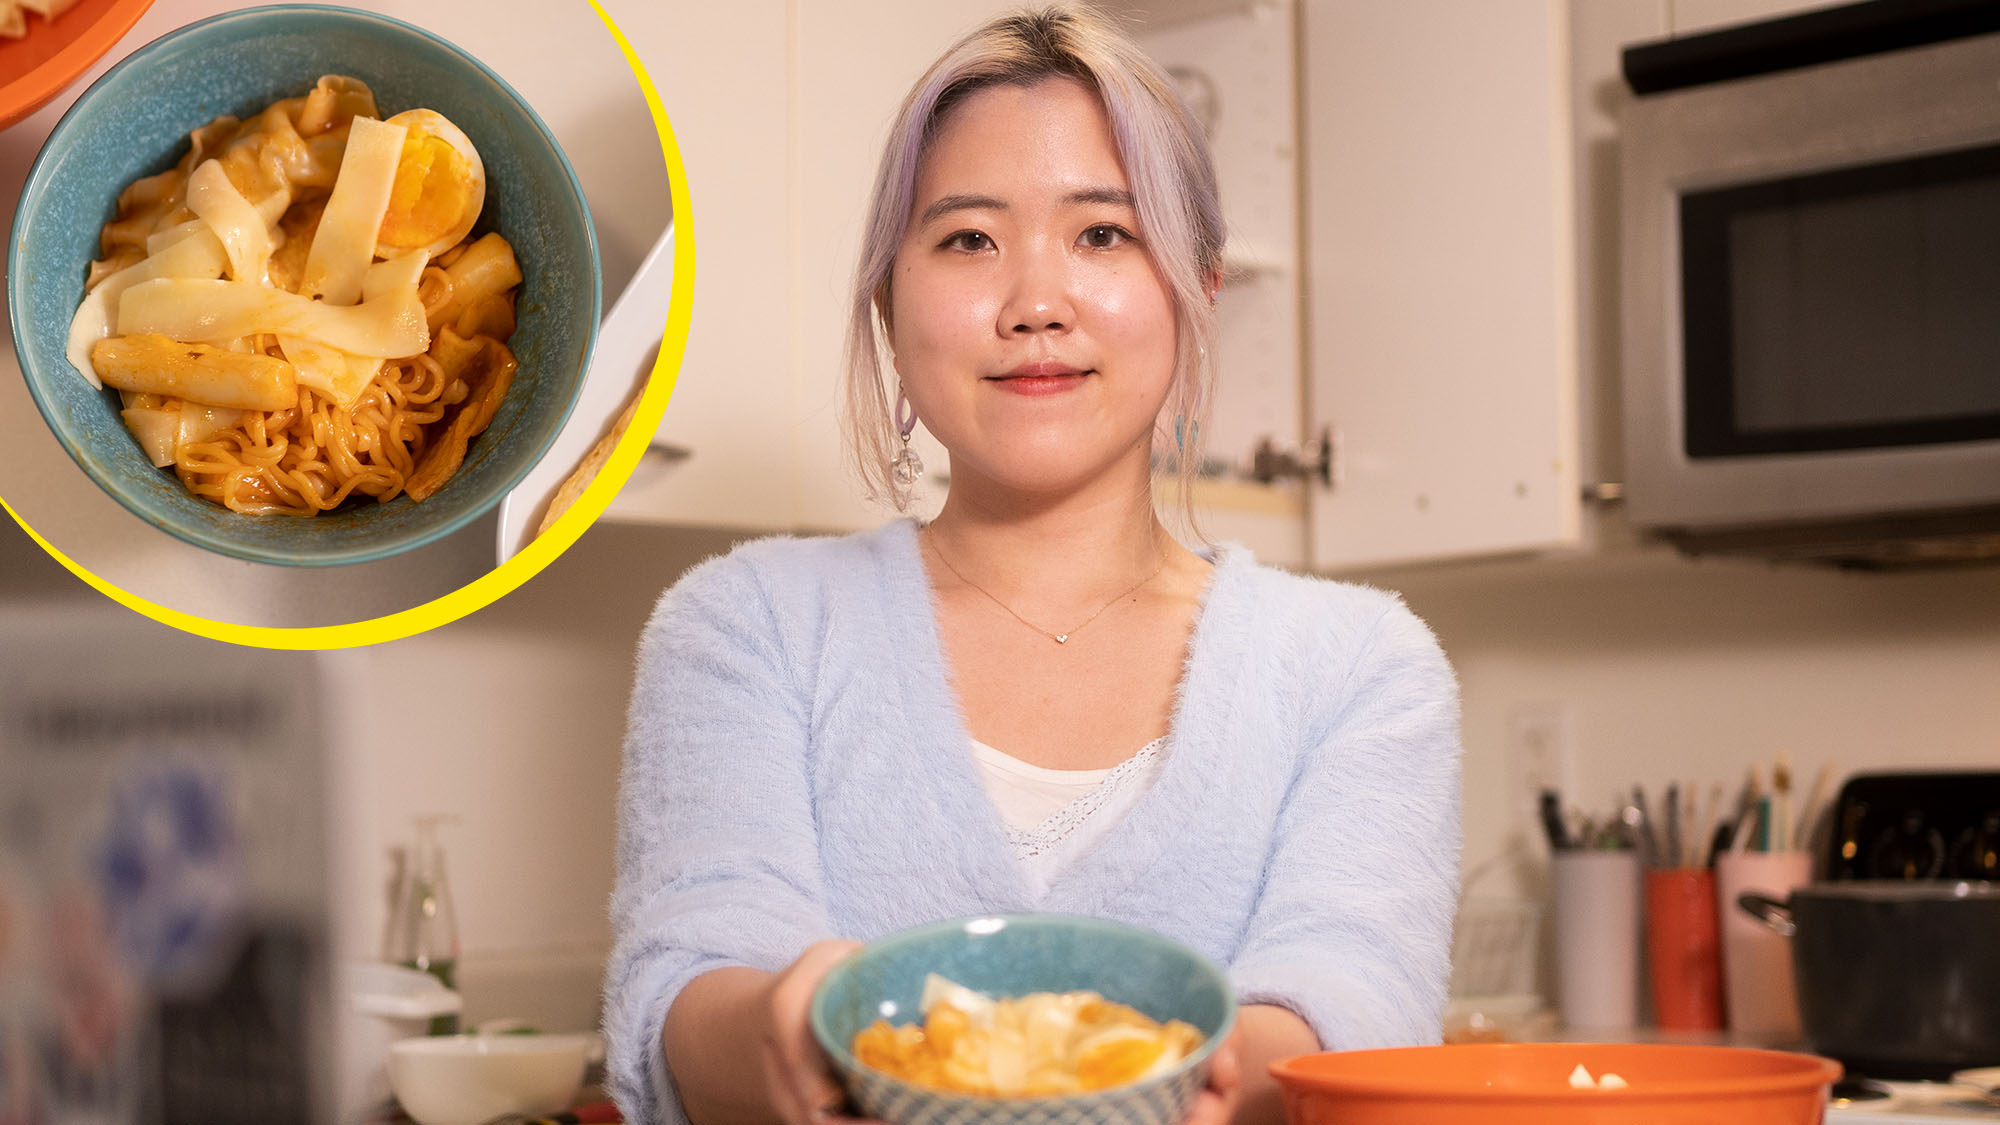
{"points": [[797, 768]]}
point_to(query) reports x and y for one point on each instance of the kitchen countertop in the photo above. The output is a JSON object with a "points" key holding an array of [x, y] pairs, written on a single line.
{"points": [[565, 63]]}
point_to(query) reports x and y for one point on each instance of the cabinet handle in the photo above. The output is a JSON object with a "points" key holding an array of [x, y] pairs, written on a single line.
{"points": [[1313, 460]]}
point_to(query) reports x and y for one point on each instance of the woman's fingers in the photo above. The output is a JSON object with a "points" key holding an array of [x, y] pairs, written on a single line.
{"points": [[1209, 1109], [1225, 1067], [1216, 1103], [803, 1087]]}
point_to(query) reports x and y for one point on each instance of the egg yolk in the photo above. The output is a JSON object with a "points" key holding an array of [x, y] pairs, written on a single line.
{"points": [[433, 189]]}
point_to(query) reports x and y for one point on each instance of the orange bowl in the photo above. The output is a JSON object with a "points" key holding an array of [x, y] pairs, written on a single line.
{"points": [[1528, 1084], [37, 66]]}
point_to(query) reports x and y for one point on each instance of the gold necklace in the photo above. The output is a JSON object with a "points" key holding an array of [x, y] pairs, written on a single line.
{"points": [[1059, 638]]}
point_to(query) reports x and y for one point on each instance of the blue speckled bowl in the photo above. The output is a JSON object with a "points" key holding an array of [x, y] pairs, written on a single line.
{"points": [[1012, 955], [134, 122]]}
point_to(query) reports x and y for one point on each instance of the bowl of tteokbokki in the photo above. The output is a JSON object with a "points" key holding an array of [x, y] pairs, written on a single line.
{"points": [[1023, 1019], [303, 285]]}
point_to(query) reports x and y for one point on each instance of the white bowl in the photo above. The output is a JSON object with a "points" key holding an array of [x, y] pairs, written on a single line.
{"points": [[472, 1079]]}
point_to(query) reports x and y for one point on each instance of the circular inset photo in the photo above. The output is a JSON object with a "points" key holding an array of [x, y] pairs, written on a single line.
{"points": [[311, 293]]}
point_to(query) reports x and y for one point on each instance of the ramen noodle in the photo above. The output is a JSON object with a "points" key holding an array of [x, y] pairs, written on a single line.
{"points": [[1039, 1045], [14, 14], [297, 314]]}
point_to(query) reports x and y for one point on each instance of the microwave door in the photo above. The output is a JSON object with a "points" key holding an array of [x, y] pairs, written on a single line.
{"points": [[1810, 268]]}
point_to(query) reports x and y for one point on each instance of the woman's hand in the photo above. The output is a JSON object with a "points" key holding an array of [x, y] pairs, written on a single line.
{"points": [[802, 1087], [1216, 1104]]}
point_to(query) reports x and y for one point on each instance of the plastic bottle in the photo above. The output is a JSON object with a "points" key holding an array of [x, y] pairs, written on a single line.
{"points": [[423, 931]]}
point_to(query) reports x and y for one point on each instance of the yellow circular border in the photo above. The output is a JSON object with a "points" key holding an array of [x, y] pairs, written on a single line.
{"points": [[530, 560]]}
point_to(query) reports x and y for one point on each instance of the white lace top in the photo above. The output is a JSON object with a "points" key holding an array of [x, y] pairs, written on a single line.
{"points": [[1054, 816]]}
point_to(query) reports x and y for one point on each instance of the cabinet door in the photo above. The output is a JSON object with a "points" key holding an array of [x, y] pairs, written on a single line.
{"points": [[732, 402], [1441, 283]]}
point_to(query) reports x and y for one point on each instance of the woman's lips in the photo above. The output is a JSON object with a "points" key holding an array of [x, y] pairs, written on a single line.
{"points": [[1040, 379]]}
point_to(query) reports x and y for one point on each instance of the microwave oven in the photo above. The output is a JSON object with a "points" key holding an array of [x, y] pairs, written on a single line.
{"points": [[1811, 286]]}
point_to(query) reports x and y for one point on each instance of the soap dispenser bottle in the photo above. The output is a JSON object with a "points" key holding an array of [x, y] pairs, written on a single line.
{"points": [[423, 932]]}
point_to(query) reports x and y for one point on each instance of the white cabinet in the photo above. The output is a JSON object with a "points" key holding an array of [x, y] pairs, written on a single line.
{"points": [[1440, 277], [779, 125]]}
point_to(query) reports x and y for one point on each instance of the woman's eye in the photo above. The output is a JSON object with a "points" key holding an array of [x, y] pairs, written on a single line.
{"points": [[1104, 236], [970, 241]]}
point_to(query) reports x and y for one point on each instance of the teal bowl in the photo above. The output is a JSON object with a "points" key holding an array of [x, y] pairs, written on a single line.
{"points": [[1012, 955], [134, 122]]}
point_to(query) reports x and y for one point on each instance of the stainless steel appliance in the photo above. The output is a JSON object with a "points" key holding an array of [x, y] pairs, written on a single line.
{"points": [[1811, 285]]}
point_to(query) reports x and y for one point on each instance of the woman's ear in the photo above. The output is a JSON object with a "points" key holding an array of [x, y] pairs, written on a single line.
{"points": [[1213, 281], [882, 306]]}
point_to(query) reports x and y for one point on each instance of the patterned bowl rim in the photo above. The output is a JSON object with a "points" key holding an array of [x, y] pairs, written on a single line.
{"points": [[845, 1060]]}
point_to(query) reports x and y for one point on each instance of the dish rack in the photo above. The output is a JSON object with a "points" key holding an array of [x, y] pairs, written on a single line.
{"points": [[1493, 948]]}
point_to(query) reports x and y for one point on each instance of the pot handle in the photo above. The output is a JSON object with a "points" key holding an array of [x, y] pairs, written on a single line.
{"points": [[1774, 914]]}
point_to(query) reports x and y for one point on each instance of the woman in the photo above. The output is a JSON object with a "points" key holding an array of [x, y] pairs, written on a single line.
{"points": [[1039, 700]]}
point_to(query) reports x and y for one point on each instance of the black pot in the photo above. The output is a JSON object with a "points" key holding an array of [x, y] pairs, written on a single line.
{"points": [[1895, 979]]}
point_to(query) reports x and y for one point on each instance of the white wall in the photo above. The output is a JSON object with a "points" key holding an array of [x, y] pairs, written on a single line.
{"points": [[1675, 670], [511, 719]]}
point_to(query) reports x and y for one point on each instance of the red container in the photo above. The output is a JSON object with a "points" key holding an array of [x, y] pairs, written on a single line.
{"points": [[1684, 949], [1529, 1084]]}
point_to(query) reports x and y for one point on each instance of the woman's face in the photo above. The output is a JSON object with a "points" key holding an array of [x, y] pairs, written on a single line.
{"points": [[1031, 329]]}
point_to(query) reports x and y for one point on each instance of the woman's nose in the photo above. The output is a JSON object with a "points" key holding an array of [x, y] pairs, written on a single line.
{"points": [[1039, 298]]}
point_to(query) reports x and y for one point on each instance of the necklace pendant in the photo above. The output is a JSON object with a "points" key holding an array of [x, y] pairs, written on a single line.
{"points": [[1062, 638]]}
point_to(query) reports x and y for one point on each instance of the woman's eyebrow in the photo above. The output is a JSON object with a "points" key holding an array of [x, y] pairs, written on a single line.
{"points": [[946, 204], [1115, 197]]}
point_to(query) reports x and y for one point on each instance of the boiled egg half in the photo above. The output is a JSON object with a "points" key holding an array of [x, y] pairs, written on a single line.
{"points": [[439, 188]]}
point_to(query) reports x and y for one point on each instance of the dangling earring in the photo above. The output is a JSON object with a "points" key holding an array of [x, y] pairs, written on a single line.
{"points": [[905, 468]]}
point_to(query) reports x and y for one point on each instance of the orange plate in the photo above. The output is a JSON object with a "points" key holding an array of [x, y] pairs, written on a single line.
{"points": [[37, 66], [1528, 1084]]}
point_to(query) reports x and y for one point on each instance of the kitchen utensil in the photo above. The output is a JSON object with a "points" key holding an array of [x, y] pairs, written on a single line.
{"points": [[1642, 824], [472, 1079], [1596, 906], [1895, 979], [1672, 856], [1809, 813], [1529, 1084], [238, 63], [1550, 807], [1013, 955]]}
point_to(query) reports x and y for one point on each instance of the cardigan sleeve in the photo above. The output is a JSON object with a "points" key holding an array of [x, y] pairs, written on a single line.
{"points": [[1352, 930], [717, 859]]}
